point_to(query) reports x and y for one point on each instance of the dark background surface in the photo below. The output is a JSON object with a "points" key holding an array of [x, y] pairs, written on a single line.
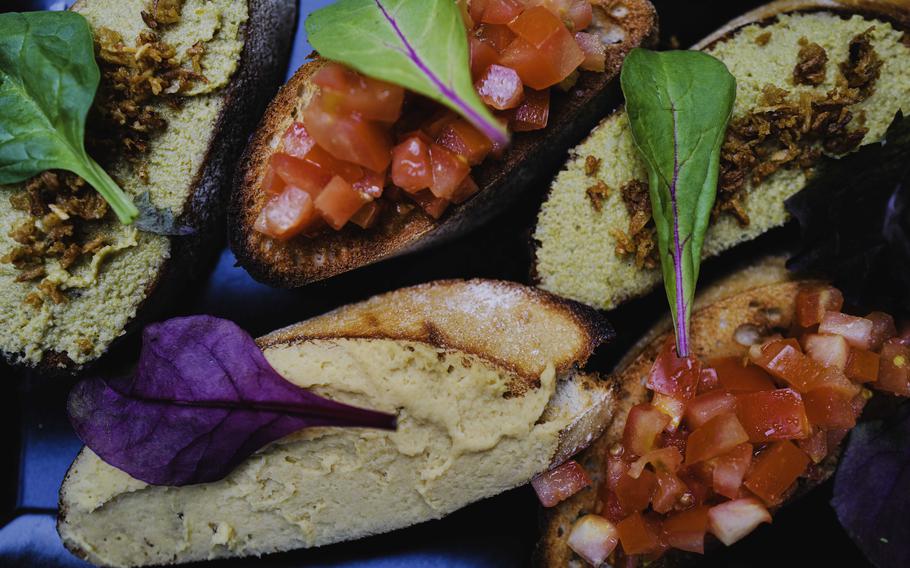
{"points": [[38, 443]]}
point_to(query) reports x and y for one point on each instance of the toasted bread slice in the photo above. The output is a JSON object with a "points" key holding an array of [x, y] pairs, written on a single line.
{"points": [[189, 166], [483, 376], [577, 239], [622, 24]]}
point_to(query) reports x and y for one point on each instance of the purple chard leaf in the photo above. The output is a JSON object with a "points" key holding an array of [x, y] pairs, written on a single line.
{"points": [[203, 398]]}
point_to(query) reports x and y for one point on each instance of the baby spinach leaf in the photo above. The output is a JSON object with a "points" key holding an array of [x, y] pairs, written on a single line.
{"points": [[48, 79], [418, 44], [203, 399], [678, 104]]}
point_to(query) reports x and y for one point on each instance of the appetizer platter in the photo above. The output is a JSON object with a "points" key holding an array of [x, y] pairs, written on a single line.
{"points": [[552, 283]]}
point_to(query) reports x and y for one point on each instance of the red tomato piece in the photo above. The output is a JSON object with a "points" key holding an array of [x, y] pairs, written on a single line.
{"points": [[672, 407], [483, 54], [783, 359], [616, 468], [828, 408], [775, 470], [331, 165], [557, 485], [813, 301], [857, 331], [533, 113], [465, 191], [673, 375], [686, 530], [575, 14], [296, 141], [544, 53], [883, 329], [271, 182], [829, 350], [339, 201], [351, 92], [462, 138], [668, 490], [730, 469], [733, 520], [432, 205], [643, 425], [449, 170], [500, 87], [500, 11], [286, 215], [707, 380], [676, 440], [634, 494], [637, 535], [299, 173], [411, 167], [706, 406], [773, 415], [371, 184], [663, 459], [894, 369], [348, 137], [368, 215], [498, 36], [862, 366], [735, 376], [593, 538], [594, 49], [437, 122], [716, 437], [815, 446]]}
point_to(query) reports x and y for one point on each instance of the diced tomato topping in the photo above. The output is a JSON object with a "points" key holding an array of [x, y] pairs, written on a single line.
{"points": [[432, 205], [500, 87], [677, 439], [730, 469], [339, 201], [733, 520], [296, 141], [532, 113], [559, 484], [286, 214], [772, 415], [716, 437], [483, 54], [775, 470], [465, 191], [813, 301], [348, 136], [815, 446], [498, 36], [783, 359], [643, 425], [829, 350], [672, 407], [735, 376], [883, 329], [668, 490], [411, 167], [594, 50], [299, 173], [828, 408], [663, 459], [437, 122], [673, 375], [706, 406], [637, 535], [686, 530], [544, 53], [857, 331], [575, 14], [271, 182], [449, 170], [862, 366], [616, 468], [894, 369], [593, 538], [634, 494], [368, 215], [351, 92], [462, 138], [371, 183], [496, 11]]}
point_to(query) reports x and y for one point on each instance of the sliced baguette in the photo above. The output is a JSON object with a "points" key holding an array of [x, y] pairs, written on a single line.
{"points": [[190, 167], [576, 253], [623, 25], [482, 374]]}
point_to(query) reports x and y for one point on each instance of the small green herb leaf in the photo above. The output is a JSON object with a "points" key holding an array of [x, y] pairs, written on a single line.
{"points": [[678, 104], [48, 79], [418, 44]]}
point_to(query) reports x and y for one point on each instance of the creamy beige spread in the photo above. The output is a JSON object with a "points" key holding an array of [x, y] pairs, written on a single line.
{"points": [[105, 292], [459, 440], [577, 255]]}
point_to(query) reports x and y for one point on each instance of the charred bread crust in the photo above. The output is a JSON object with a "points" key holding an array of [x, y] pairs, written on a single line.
{"points": [[267, 41], [300, 261]]}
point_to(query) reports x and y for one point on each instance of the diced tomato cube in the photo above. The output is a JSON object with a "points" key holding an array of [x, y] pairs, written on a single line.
{"points": [[299, 173], [734, 375], [499, 11], [643, 425], [668, 490], [272, 182], [594, 49], [616, 468], [637, 535], [707, 380], [828, 408], [815, 446], [465, 140], [465, 191], [575, 14], [706, 406], [296, 141], [730, 469], [449, 170], [686, 530], [368, 215], [497, 35], [732, 520], [339, 201], [593, 538], [558, 484], [716, 437], [634, 494], [894, 369], [673, 375], [350, 91], [672, 407], [348, 137], [857, 331], [612, 508], [483, 54], [331, 165], [544, 53], [432, 205], [784, 360], [813, 301], [772, 415], [411, 166], [829, 350], [775, 470], [862, 366], [371, 183], [437, 121], [662, 459], [286, 215], [500, 87], [883, 329], [677, 439], [533, 113]]}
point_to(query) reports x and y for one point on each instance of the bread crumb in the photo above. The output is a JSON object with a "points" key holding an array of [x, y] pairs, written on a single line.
{"points": [[592, 165], [763, 39], [597, 194]]}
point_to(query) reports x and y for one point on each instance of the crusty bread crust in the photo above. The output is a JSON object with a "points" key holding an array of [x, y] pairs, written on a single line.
{"points": [[268, 34], [303, 260]]}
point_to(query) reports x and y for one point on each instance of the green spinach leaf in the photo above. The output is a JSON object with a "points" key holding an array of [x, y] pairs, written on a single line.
{"points": [[418, 44], [48, 79], [678, 104]]}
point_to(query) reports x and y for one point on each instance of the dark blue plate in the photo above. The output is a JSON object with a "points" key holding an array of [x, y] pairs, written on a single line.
{"points": [[499, 532]]}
